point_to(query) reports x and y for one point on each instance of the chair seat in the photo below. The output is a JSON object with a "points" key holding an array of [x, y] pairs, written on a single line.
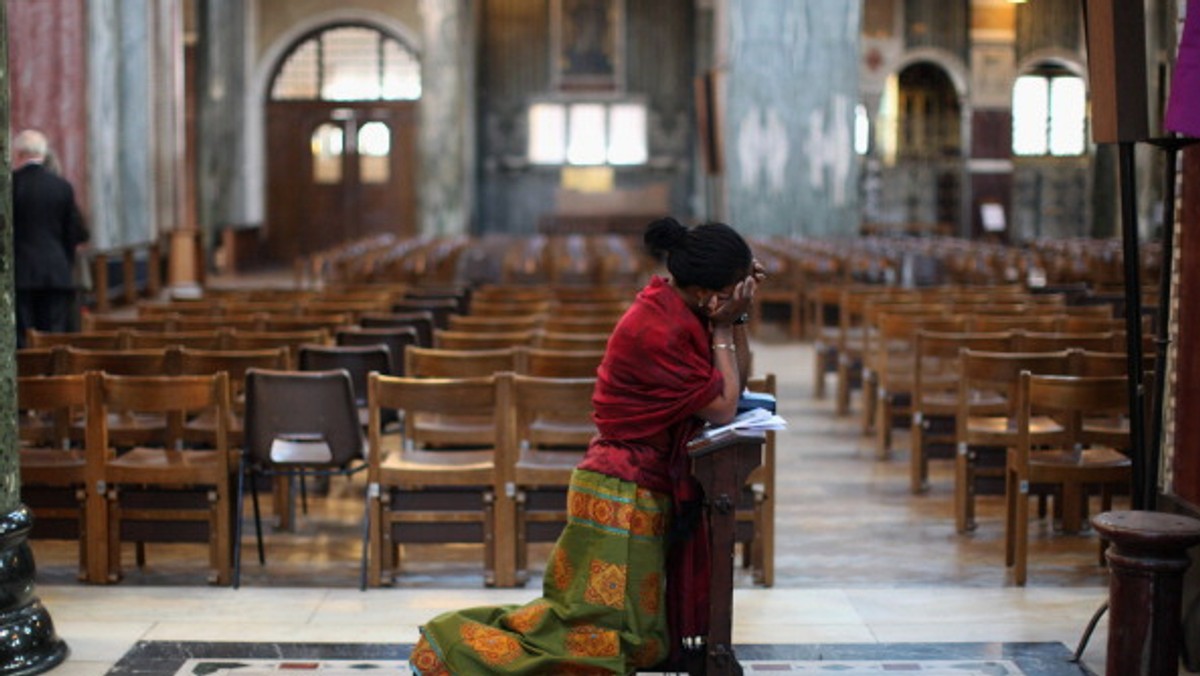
{"points": [[160, 466], [1098, 459], [52, 467], [441, 468], [1002, 431]]}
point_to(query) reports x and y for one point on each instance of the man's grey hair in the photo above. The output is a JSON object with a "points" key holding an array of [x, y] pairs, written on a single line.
{"points": [[31, 143]]}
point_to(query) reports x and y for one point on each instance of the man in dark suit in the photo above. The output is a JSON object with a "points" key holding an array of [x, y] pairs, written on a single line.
{"points": [[47, 228]]}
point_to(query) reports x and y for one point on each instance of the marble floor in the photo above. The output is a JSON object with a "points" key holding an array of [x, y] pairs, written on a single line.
{"points": [[860, 561]]}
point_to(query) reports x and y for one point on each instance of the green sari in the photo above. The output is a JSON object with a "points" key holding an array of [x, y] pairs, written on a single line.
{"points": [[602, 607]]}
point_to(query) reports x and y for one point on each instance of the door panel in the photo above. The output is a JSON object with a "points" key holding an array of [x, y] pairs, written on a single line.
{"points": [[338, 171]]}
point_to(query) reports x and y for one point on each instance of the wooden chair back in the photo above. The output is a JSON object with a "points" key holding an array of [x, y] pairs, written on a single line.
{"points": [[552, 340], [202, 340], [495, 323], [257, 340], [99, 322], [37, 361], [1038, 341], [478, 340], [545, 363], [92, 340], [421, 362]]}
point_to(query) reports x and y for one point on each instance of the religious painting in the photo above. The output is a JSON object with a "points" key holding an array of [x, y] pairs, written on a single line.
{"points": [[587, 44]]}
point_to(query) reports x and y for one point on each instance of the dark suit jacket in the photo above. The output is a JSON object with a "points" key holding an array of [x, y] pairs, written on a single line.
{"points": [[47, 226]]}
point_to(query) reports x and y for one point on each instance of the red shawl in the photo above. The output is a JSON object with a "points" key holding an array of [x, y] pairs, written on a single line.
{"points": [[656, 373]]}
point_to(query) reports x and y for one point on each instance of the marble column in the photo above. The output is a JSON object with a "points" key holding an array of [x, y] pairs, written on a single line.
{"points": [[447, 112], [28, 643], [792, 85], [120, 101], [222, 99]]}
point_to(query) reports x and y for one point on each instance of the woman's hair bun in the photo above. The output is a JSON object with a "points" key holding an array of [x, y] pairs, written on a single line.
{"points": [[665, 234]]}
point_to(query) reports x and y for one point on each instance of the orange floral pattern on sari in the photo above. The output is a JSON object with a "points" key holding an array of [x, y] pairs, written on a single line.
{"points": [[426, 660], [650, 593], [493, 645], [606, 584], [561, 570], [592, 641], [525, 618]]}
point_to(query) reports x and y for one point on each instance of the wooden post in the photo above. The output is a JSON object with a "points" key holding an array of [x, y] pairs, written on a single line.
{"points": [[1147, 560], [721, 465]]}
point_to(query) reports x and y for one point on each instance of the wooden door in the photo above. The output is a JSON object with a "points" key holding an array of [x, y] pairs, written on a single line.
{"points": [[338, 171]]}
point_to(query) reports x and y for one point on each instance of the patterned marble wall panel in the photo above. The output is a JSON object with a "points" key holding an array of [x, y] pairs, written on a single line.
{"points": [[445, 117], [104, 123], [938, 24], [1049, 26], [792, 84], [221, 101], [47, 52], [136, 211]]}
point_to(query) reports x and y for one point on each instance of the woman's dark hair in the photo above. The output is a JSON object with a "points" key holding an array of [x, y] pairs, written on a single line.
{"points": [[711, 255]]}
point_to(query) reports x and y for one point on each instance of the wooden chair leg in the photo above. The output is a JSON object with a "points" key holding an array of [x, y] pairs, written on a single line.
{"points": [[842, 392], [820, 368], [114, 536], [220, 532], [375, 545], [1022, 534], [1010, 519], [871, 400], [883, 426], [139, 554], [918, 470], [964, 479]]}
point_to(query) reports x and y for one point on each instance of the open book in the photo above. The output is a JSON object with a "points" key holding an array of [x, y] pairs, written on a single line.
{"points": [[754, 420]]}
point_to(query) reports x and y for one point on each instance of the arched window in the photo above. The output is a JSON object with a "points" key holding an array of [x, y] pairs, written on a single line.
{"points": [[1049, 113], [349, 63]]}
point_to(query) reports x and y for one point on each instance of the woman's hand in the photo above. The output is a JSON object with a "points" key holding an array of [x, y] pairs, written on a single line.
{"points": [[723, 310]]}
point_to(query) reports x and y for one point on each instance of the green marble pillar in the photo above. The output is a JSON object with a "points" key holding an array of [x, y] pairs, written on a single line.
{"points": [[28, 644]]}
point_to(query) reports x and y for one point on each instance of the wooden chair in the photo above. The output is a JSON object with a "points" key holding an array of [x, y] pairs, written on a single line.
{"points": [[421, 321], [298, 424], [234, 363], [552, 340], [600, 324], [92, 340], [479, 340], [1039, 341], [495, 324], [422, 362], [986, 323], [159, 491], [329, 323], [124, 428], [1071, 459], [238, 322], [36, 361], [419, 493], [53, 461], [97, 322], [258, 340], [935, 393], [396, 340], [508, 308], [535, 361], [894, 366], [551, 428], [201, 340], [986, 418]]}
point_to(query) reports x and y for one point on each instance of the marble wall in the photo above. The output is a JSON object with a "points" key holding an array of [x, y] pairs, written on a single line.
{"points": [[792, 85], [47, 52], [446, 131]]}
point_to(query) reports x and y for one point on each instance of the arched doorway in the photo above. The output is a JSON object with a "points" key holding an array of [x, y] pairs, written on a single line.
{"points": [[341, 140], [931, 135]]}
